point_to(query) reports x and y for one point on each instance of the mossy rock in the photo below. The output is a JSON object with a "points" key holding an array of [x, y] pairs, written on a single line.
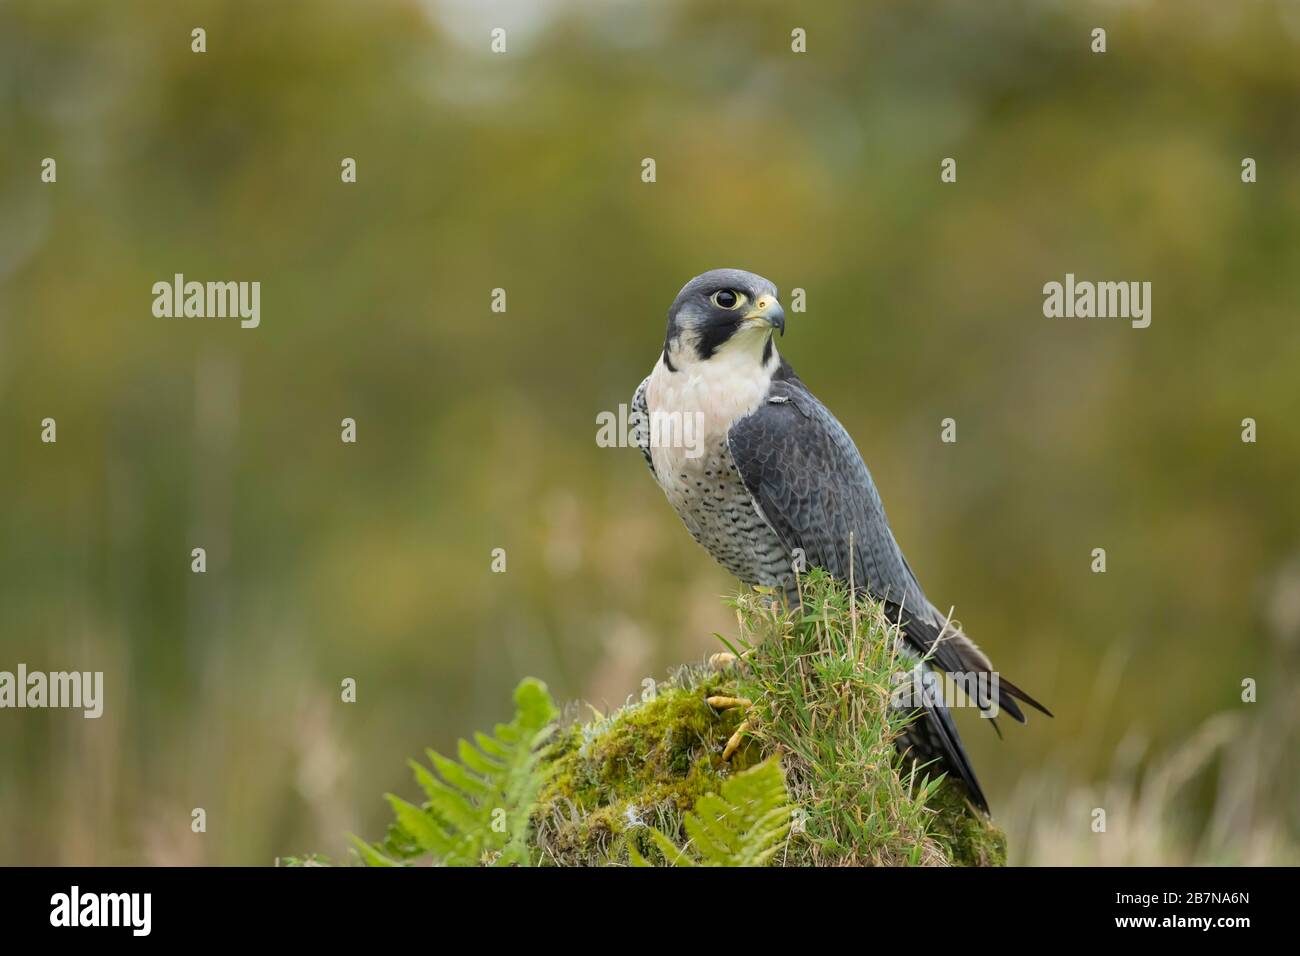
{"points": [[615, 776]]}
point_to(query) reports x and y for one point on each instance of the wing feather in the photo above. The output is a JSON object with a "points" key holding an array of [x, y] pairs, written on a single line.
{"points": [[811, 484]]}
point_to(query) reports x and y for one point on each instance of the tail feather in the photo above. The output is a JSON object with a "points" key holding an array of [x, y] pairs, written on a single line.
{"points": [[954, 653], [1007, 688]]}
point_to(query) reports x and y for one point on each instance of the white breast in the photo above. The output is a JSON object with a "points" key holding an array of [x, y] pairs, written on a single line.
{"points": [[698, 403]]}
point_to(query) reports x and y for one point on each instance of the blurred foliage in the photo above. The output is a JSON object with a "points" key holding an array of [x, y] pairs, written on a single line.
{"points": [[476, 430]]}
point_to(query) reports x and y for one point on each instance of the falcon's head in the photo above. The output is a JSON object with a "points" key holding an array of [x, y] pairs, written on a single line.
{"points": [[726, 312]]}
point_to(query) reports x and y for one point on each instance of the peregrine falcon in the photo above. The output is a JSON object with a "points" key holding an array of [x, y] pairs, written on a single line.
{"points": [[759, 471]]}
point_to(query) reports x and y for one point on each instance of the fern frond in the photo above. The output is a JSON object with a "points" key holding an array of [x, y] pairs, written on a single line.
{"points": [[742, 825], [477, 810]]}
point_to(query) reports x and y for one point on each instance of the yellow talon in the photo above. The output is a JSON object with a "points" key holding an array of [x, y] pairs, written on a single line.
{"points": [[726, 703], [733, 744], [729, 703]]}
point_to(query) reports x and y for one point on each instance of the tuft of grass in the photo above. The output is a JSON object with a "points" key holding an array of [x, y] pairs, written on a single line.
{"points": [[821, 684], [820, 687]]}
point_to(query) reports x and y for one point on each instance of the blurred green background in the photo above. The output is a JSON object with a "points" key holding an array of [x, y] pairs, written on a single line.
{"points": [[476, 430]]}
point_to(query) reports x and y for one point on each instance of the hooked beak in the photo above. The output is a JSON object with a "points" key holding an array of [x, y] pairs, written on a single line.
{"points": [[768, 310]]}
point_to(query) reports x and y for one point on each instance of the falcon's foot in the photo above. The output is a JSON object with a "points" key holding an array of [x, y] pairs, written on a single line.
{"points": [[728, 703]]}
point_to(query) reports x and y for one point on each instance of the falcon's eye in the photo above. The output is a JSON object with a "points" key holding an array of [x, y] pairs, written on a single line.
{"points": [[726, 299]]}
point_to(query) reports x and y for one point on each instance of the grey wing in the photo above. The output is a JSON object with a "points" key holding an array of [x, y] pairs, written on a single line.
{"points": [[639, 420], [811, 485], [814, 489]]}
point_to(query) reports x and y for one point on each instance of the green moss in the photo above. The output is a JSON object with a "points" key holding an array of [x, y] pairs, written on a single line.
{"points": [[968, 838], [644, 765]]}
